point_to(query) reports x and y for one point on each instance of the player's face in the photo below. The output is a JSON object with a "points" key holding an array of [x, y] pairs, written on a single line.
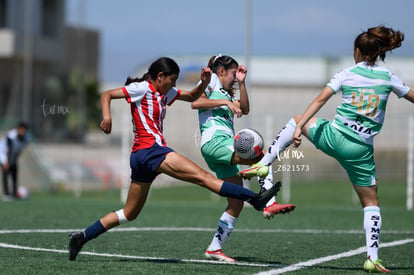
{"points": [[228, 78], [21, 132], [165, 83]]}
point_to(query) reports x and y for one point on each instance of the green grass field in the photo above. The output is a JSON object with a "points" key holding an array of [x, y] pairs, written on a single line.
{"points": [[177, 224]]}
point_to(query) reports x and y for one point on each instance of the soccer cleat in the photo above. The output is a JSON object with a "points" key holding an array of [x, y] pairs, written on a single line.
{"points": [[218, 255], [276, 208], [371, 266], [257, 169], [259, 202], [76, 241]]}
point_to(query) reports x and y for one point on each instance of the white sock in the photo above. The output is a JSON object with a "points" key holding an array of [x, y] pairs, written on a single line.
{"points": [[372, 226], [267, 183], [280, 143], [224, 229]]}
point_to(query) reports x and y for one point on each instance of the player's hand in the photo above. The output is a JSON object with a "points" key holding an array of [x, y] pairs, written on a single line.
{"points": [[6, 166], [236, 110], [106, 125], [297, 137], [241, 73], [205, 75]]}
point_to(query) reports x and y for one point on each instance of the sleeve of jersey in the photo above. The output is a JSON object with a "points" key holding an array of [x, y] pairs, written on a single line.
{"points": [[134, 92], [398, 86], [3, 151], [336, 82], [172, 95], [208, 90], [212, 85]]}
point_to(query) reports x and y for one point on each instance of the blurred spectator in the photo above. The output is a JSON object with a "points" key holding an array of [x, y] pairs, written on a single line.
{"points": [[10, 148]]}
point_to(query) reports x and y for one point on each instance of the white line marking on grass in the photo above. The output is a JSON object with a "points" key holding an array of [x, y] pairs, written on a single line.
{"points": [[312, 262], [199, 229], [145, 258], [205, 229]]}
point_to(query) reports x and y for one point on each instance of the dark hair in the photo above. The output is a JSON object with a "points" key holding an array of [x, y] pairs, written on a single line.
{"points": [[227, 62], [23, 124], [164, 65], [376, 41]]}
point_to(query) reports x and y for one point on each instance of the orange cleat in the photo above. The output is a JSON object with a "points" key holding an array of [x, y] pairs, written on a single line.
{"points": [[276, 208]]}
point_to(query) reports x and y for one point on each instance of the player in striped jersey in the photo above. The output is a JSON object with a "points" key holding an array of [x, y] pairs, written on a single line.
{"points": [[148, 97], [349, 136]]}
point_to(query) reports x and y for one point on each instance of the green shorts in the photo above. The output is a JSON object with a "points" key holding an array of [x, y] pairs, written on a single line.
{"points": [[355, 156], [218, 153]]}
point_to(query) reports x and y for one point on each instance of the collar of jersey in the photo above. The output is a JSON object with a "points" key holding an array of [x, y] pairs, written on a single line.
{"points": [[152, 88], [365, 65]]}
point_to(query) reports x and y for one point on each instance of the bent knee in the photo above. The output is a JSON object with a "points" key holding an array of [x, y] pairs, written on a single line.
{"points": [[297, 117], [126, 216]]}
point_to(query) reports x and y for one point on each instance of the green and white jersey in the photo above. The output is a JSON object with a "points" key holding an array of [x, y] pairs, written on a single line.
{"points": [[365, 90], [216, 121]]}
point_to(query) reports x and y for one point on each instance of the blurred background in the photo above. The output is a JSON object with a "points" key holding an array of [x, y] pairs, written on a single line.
{"points": [[58, 56]]}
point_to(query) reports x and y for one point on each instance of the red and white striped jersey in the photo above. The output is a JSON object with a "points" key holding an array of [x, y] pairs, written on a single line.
{"points": [[148, 109]]}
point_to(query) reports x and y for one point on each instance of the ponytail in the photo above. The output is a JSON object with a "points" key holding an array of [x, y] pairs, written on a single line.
{"points": [[376, 42], [130, 80], [211, 61]]}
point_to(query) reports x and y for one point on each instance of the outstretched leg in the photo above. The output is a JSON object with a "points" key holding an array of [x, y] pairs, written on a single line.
{"points": [[180, 167], [279, 144]]}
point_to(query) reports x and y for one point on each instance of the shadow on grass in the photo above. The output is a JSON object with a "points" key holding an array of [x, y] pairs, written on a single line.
{"points": [[336, 268], [241, 261], [405, 270], [258, 261]]}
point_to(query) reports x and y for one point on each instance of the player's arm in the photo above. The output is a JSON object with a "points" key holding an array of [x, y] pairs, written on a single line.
{"points": [[106, 97], [312, 109], [4, 153], [3, 160], [205, 103], [244, 99], [410, 96], [194, 94]]}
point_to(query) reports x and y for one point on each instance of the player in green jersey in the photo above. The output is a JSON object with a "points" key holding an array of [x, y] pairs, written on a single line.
{"points": [[349, 136], [217, 108]]}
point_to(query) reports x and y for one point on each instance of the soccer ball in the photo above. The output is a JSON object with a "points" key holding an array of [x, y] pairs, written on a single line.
{"points": [[248, 143], [23, 193]]}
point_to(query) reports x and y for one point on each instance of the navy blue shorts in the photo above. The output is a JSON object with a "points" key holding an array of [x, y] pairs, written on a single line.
{"points": [[145, 162]]}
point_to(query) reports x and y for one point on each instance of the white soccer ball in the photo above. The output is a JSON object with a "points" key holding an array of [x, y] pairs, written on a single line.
{"points": [[23, 193], [248, 143]]}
